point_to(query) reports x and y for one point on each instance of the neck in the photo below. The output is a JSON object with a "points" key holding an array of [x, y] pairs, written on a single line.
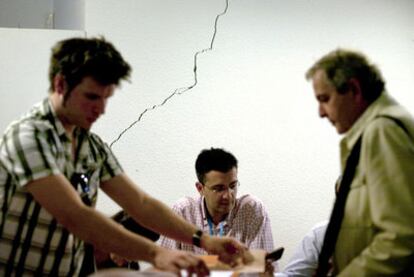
{"points": [[216, 218], [58, 107]]}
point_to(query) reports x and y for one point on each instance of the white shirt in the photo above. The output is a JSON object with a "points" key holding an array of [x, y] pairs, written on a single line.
{"points": [[305, 259]]}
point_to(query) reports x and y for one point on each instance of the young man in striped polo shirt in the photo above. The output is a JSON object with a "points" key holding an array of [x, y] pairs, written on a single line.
{"points": [[51, 166]]}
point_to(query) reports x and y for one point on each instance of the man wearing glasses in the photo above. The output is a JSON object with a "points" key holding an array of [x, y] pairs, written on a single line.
{"points": [[218, 211]]}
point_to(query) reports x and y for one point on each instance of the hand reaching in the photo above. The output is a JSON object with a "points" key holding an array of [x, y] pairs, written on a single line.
{"points": [[229, 250], [118, 260], [175, 261]]}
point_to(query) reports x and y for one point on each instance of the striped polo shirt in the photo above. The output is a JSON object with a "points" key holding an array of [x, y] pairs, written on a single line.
{"points": [[36, 146]]}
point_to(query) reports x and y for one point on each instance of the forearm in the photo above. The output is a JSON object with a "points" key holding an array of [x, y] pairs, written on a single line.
{"points": [[159, 217], [95, 228], [147, 210], [85, 222], [162, 219]]}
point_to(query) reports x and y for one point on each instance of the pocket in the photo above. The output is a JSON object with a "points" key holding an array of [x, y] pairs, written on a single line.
{"points": [[357, 208]]}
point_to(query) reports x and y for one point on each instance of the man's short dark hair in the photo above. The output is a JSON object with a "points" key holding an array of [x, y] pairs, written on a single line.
{"points": [[77, 58], [342, 65], [214, 159]]}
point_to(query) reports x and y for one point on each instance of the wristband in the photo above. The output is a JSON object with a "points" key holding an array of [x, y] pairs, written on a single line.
{"points": [[197, 238]]}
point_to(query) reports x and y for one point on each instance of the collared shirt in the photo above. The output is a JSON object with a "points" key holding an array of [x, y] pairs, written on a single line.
{"points": [[377, 232], [36, 146], [304, 261], [247, 222]]}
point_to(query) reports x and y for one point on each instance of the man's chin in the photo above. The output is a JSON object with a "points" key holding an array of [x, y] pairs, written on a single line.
{"points": [[226, 208], [86, 127], [340, 130]]}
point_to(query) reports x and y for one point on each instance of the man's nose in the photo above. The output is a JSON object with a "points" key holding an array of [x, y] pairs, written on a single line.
{"points": [[322, 112], [100, 106], [226, 193]]}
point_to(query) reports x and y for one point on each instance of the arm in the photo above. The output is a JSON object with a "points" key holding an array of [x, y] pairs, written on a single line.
{"points": [[262, 237], [266, 237], [171, 243], [143, 207], [258, 232], [81, 220], [304, 261], [388, 159]]}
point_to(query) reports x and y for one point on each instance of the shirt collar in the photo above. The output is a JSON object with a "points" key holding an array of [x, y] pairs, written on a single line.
{"points": [[226, 221], [50, 113], [351, 137]]}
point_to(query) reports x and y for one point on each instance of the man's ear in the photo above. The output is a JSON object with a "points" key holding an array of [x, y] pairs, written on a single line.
{"points": [[59, 84], [355, 87], [199, 187]]}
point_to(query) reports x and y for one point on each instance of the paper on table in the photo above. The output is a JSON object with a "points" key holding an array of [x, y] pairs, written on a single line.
{"points": [[256, 266]]}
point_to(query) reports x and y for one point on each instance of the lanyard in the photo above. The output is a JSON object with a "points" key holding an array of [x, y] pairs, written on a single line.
{"points": [[210, 225]]}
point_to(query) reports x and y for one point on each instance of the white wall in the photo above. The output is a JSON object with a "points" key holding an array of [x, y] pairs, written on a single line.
{"points": [[42, 14], [69, 14], [26, 13], [251, 97], [24, 64]]}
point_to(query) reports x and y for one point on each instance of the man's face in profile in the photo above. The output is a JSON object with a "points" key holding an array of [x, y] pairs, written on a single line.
{"points": [[86, 103], [341, 109]]}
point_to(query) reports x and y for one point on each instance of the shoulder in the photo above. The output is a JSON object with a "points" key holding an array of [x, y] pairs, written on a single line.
{"points": [[186, 203], [250, 200], [319, 229], [189, 208], [388, 127], [26, 133], [320, 225], [392, 117], [96, 142], [38, 117], [33, 124], [250, 203], [95, 138], [28, 124]]}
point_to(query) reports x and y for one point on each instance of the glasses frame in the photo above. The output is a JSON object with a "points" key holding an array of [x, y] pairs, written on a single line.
{"points": [[82, 180], [220, 191]]}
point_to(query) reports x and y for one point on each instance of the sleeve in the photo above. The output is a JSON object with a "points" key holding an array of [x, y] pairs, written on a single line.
{"points": [[170, 243], [260, 230], [305, 258], [388, 158], [110, 165], [28, 154]]}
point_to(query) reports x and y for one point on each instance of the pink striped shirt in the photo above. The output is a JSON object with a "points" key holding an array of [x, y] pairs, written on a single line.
{"points": [[247, 222]]}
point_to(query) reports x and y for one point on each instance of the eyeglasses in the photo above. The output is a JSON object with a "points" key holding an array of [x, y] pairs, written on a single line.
{"points": [[222, 188]]}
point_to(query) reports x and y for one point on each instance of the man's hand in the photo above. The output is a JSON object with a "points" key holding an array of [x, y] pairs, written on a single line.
{"points": [[118, 260], [330, 269], [269, 269], [229, 250], [175, 261]]}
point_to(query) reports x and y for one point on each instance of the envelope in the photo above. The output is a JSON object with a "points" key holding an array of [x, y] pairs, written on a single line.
{"points": [[258, 264]]}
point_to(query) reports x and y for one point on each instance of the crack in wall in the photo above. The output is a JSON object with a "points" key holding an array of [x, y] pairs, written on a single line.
{"points": [[180, 90]]}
